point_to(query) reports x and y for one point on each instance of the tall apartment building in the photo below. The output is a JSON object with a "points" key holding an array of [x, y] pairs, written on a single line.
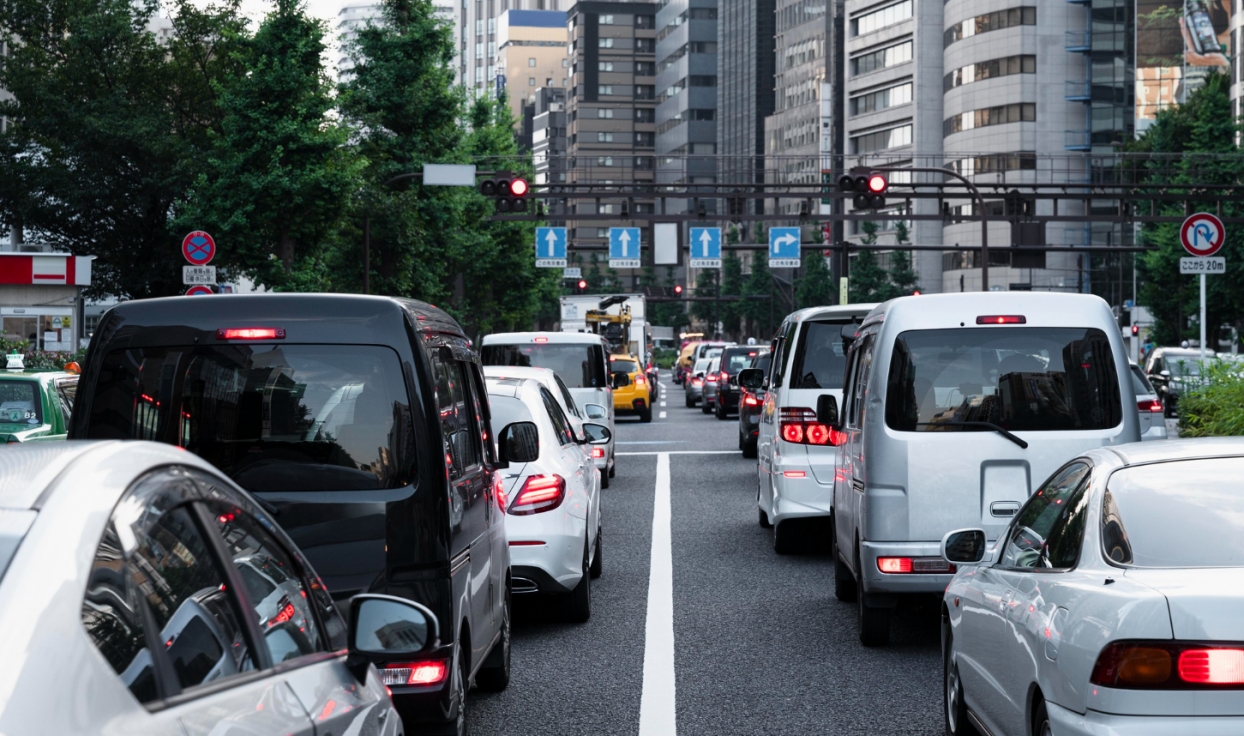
{"points": [[686, 82], [479, 43], [531, 54], [610, 107], [548, 135], [745, 69], [793, 131]]}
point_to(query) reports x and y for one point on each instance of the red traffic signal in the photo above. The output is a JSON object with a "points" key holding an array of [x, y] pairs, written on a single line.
{"points": [[518, 187], [868, 186], [1135, 329], [582, 285], [509, 191], [678, 290], [877, 184]]}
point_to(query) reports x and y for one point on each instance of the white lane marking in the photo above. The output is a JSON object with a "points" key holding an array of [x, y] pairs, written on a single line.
{"points": [[656, 705], [662, 404], [680, 452], [661, 415]]}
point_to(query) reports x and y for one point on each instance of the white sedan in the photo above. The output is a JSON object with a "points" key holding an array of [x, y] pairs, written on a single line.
{"points": [[1110, 606], [552, 494]]}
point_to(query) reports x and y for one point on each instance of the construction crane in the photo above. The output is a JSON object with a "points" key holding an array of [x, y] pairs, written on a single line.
{"points": [[615, 328]]}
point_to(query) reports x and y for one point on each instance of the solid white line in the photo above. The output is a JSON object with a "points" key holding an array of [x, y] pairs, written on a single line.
{"points": [[680, 452], [661, 416], [656, 705]]}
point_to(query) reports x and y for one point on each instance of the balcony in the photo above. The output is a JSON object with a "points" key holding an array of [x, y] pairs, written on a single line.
{"points": [[1079, 41], [1078, 91], [1077, 140]]}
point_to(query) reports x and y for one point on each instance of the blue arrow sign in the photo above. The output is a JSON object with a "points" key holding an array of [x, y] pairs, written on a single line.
{"points": [[624, 247], [550, 247], [783, 247], [705, 247]]}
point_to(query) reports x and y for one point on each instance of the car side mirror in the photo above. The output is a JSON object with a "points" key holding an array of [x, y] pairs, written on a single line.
{"points": [[964, 547], [384, 628], [827, 410], [848, 334], [1165, 374], [520, 443], [597, 434], [595, 411], [751, 378]]}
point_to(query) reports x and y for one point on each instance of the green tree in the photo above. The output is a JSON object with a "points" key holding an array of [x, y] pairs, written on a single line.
{"points": [[107, 129], [706, 311], [903, 277], [732, 285], [279, 177], [813, 288], [868, 282], [1198, 140], [760, 313]]}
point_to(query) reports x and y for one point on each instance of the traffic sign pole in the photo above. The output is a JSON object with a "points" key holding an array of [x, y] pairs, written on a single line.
{"points": [[1202, 235], [1202, 319]]}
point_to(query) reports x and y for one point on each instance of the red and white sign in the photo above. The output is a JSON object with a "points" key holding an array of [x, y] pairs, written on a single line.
{"points": [[45, 269], [199, 248], [199, 290], [1203, 234]]}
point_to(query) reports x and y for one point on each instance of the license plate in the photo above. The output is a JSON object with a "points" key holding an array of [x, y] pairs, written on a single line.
{"points": [[754, 419]]}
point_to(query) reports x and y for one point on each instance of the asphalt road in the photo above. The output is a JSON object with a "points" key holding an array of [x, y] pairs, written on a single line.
{"points": [[760, 644]]}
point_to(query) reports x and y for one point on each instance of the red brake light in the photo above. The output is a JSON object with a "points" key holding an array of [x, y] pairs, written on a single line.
{"points": [[1212, 666], [1002, 319], [1167, 665], [894, 564], [542, 339], [799, 426], [917, 565], [792, 432], [598, 453], [751, 400], [540, 493], [640, 380], [416, 673], [1152, 405], [794, 473], [498, 488], [251, 333]]}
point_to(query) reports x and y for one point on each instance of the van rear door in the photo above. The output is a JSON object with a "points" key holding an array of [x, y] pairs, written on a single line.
{"points": [[818, 367], [581, 365]]}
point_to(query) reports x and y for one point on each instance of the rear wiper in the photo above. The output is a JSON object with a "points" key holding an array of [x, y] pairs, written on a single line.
{"points": [[988, 425]]}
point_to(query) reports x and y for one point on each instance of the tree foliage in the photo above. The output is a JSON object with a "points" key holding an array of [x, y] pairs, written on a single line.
{"points": [[814, 287], [868, 281]]}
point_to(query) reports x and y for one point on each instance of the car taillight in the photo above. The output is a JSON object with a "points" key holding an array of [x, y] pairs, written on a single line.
{"points": [[415, 673], [697, 381], [251, 333], [799, 426], [1001, 319], [1166, 665], [286, 613], [498, 489], [725, 376], [598, 453], [914, 565], [540, 493], [640, 380], [1150, 405], [751, 400]]}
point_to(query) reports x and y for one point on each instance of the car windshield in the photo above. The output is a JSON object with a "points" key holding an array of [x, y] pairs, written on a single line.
{"points": [[1019, 378], [1188, 513], [20, 407], [701, 365], [274, 418], [621, 365], [763, 362], [820, 357], [578, 364]]}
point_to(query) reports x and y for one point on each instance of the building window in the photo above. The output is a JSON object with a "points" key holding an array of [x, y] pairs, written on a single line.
{"points": [[604, 89], [645, 45], [988, 70], [531, 61], [880, 59], [604, 112], [565, 63], [604, 160], [606, 66], [878, 19], [548, 81], [1002, 114], [531, 81], [604, 137], [604, 43], [479, 27], [492, 25], [882, 140], [881, 99], [994, 21], [479, 51], [602, 232], [606, 20], [995, 162], [702, 81]]}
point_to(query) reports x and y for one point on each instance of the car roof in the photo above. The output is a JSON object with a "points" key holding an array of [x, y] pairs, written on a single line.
{"points": [[26, 470], [1040, 309], [1137, 453], [523, 338], [838, 310], [42, 376], [1183, 352]]}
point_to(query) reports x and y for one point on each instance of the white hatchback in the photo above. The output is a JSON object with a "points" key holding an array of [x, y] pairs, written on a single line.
{"points": [[552, 494], [1111, 604]]}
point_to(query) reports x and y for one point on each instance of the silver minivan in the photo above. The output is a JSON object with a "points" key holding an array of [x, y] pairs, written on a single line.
{"points": [[957, 406]]}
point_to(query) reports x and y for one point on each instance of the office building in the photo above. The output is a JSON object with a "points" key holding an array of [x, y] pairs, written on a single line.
{"points": [[479, 42], [792, 132], [686, 83], [548, 135], [745, 65], [531, 54]]}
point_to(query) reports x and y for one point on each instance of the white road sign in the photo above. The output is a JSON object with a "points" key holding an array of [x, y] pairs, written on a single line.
{"points": [[572, 273], [1204, 264], [191, 275]]}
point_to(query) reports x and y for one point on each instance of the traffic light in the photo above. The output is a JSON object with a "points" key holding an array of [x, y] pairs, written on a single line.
{"points": [[677, 289], [1135, 330], [582, 286], [868, 186], [509, 190]]}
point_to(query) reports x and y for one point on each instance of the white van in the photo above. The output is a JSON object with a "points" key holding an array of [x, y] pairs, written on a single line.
{"points": [[795, 456], [957, 406], [580, 359]]}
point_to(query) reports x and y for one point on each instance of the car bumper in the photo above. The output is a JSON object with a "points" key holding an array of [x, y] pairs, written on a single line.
{"points": [[1155, 432], [1093, 723], [426, 705], [554, 566], [798, 496], [635, 406], [876, 581], [694, 392]]}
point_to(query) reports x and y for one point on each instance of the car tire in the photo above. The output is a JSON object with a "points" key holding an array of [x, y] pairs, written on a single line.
{"points": [[954, 709], [874, 623], [598, 559], [787, 539], [1041, 721], [645, 416], [578, 602], [494, 675], [750, 448], [741, 441], [705, 407], [844, 581], [764, 519], [717, 411], [613, 469], [457, 726], [690, 402], [604, 479]]}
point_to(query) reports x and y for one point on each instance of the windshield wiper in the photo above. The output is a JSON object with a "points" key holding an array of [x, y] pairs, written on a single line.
{"points": [[988, 425]]}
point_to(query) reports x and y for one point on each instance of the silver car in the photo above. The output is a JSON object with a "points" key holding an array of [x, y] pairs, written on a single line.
{"points": [[143, 592], [693, 387], [712, 376]]}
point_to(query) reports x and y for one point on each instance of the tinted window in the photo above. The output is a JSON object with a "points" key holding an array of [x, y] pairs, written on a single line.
{"points": [[506, 410], [617, 365], [1140, 384], [457, 421], [20, 407], [277, 596], [859, 380], [114, 621], [1179, 514], [763, 362], [186, 594], [783, 351], [1020, 378], [820, 359], [566, 397], [560, 425], [274, 418], [1058, 505], [734, 360], [580, 365], [68, 388]]}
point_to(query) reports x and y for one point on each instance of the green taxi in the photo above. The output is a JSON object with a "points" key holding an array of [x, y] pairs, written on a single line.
{"points": [[35, 405]]}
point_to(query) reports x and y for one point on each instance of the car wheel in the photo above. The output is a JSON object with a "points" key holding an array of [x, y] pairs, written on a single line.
{"points": [[613, 468], [494, 676], [645, 416], [764, 519], [786, 537], [844, 581], [718, 411], [955, 710], [579, 601], [874, 623], [458, 725], [742, 442], [690, 402], [598, 560], [706, 407], [749, 448], [604, 479], [1041, 721]]}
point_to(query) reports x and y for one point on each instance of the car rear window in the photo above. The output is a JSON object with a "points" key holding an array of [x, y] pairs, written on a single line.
{"points": [[580, 365], [820, 357], [1188, 513], [272, 417], [734, 360], [1019, 378], [20, 407], [622, 366], [1140, 384]]}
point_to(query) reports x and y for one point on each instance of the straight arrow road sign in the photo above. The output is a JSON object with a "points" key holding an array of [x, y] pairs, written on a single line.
{"points": [[550, 247], [624, 247], [784, 247], [705, 247]]}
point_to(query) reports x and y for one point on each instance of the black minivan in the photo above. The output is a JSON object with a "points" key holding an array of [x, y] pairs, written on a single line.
{"points": [[363, 424]]}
